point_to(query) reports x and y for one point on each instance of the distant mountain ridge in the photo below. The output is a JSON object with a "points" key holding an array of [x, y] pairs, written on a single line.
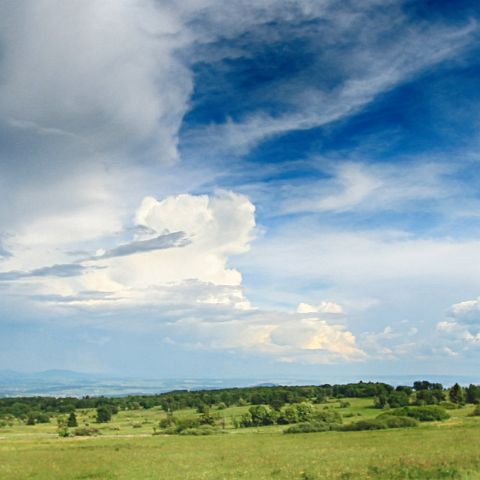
{"points": [[62, 383]]}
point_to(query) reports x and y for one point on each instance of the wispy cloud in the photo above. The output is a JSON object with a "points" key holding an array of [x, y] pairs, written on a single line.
{"points": [[61, 271], [369, 67], [169, 240]]}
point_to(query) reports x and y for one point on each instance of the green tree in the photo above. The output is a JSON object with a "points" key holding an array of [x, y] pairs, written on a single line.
{"points": [[103, 414], [72, 420], [304, 411], [62, 427], [456, 394], [472, 394], [288, 415]]}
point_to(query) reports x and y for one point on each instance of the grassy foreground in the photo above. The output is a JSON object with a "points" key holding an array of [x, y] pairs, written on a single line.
{"points": [[431, 451]]}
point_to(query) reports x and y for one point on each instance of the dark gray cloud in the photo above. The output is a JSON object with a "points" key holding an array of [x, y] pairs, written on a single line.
{"points": [[169, 240], [61, 270]]}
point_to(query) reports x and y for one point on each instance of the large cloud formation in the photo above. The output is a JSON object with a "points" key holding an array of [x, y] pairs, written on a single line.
{"points": [[177, 262], [92, 99]]}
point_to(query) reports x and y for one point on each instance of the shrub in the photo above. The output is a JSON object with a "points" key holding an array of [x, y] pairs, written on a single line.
{"points": [[86, 432], [202, 430], [427, 413], [169, 421], [258, 415], [476, 411], [304, 411], [395, 421], [207, 419], [185, 423], [104, 414], [288, 415], [448, 405], [374, 424], [309, 427], [327, 416]]}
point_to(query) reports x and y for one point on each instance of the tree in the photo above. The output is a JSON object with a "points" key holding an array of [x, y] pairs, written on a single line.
{"points": [[62, 427], [304, 411], [288, 415], [472, 394], [456, 394], [72, 420], [103, 414], [381, 401], [429, 397]]}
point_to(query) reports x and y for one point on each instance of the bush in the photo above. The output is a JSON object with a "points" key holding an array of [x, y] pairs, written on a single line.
{"points": [[427, 413], [167, 422], [202, 430], [309, 427], [207, 419], [86, 432], [288, 415], [185, 423], [448, 405], [304, 411], [259, 415], [395, 421], [476, 411], [104, 414], [374, 424], [327, 416]]}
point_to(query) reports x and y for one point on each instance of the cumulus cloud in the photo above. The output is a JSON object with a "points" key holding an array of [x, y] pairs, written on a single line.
{"points": [[198, 299], [285, 336], [149, 268], [462, 326], [393, 342]]}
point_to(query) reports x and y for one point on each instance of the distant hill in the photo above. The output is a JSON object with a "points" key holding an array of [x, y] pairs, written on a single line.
{"points": [[62, 383]]}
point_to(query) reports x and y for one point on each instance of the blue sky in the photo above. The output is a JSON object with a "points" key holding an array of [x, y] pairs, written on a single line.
{"points": [[240, 189]]}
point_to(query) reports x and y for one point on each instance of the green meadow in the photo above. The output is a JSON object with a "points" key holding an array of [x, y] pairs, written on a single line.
{"points": [[127, 448]]}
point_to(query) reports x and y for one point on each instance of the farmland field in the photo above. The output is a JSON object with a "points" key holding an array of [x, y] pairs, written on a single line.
{"points": [[127, 449]]}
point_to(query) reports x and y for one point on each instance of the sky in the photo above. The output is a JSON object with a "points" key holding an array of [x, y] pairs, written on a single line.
{"points": [[240, 189]]}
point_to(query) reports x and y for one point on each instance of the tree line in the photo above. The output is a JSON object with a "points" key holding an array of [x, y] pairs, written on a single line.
{"points": [[39, 409]]}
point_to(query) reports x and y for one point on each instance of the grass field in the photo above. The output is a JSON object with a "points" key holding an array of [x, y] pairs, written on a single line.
{"points": [[126, 449]]}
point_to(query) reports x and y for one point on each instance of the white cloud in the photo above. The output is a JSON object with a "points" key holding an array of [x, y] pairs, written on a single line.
{"points": [[369, 68], [322, 307], [183, 243], [462, 327], [356, 186], [362, 258], [198, 299], [98, 70], [284, 336]]}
